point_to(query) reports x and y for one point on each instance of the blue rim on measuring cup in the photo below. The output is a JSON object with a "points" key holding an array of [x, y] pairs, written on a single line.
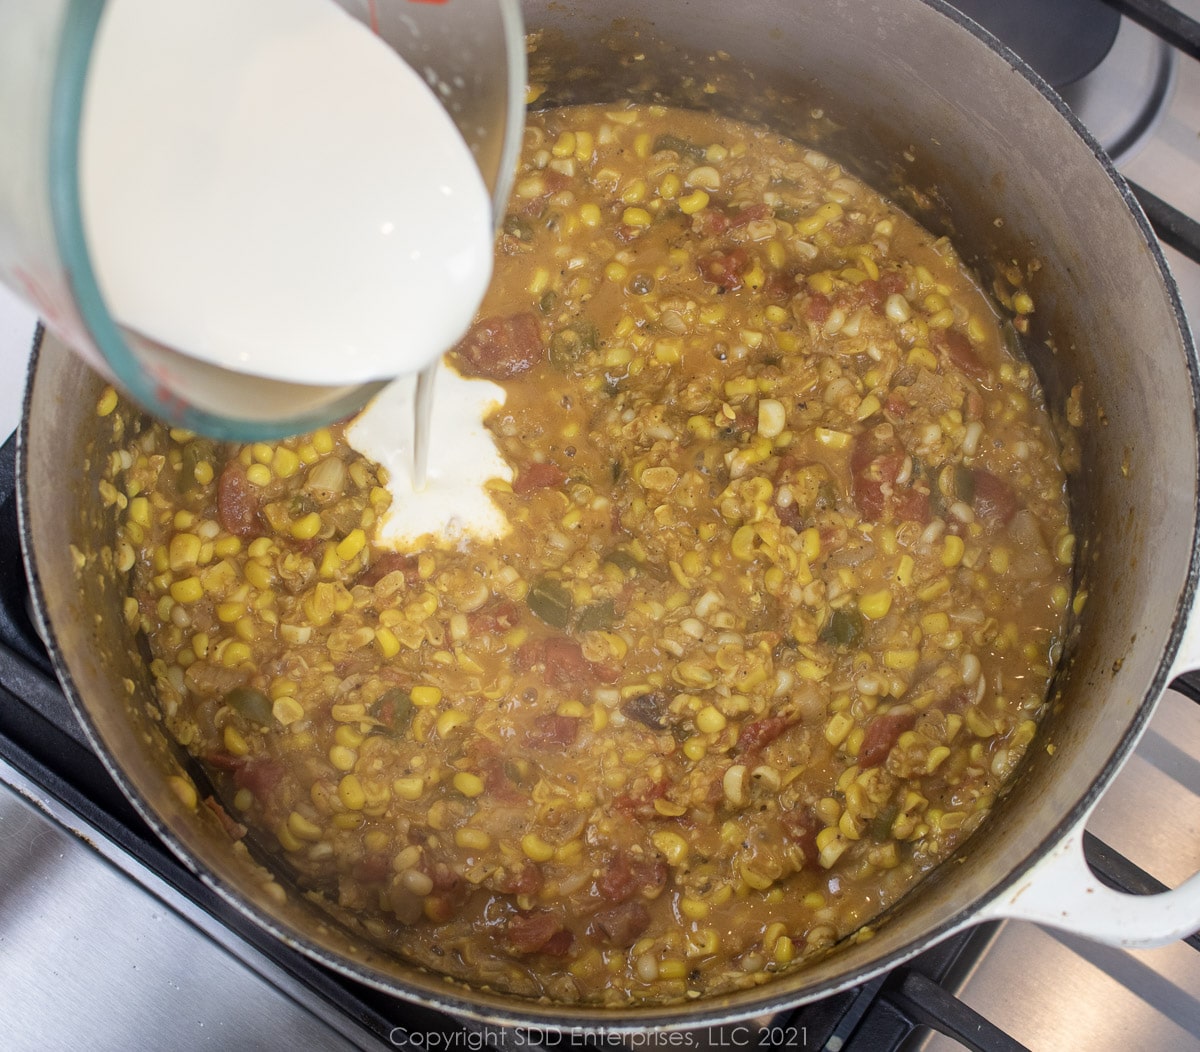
{"points": [[66, 107]]}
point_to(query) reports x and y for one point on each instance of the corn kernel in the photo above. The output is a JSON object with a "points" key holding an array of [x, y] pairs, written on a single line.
{"points": [[710, 720], [351, 793], [589, 215], [385, 639], [636, 217], [470, 785], [691, 203], [343, 758], [425, 696], [471, 839], [410, 787], [107, 402], [287, 710], [307, 527], [189, 590], [875, 605], [672, 846], [351, 545], [536, 848], [952, 551]]}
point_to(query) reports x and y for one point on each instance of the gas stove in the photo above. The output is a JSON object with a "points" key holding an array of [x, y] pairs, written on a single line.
{"points": [[105, 939]]}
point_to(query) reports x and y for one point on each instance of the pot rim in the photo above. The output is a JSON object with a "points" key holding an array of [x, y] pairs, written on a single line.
{"points": [[489, 1007]]}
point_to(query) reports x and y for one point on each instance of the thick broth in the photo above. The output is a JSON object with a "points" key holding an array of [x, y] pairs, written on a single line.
{"points": [[775, 620]]}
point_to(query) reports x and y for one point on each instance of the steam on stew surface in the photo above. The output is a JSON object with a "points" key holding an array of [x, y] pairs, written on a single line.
{"points": [[786, 576]]}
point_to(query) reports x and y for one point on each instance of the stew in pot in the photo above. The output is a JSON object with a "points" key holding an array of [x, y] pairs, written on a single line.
{"points": [[785, 580]]}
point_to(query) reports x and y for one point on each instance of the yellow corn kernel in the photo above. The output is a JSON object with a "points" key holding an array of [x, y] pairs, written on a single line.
{"points": [[832, 439], [904, 570], [875, 605], [189, 590], [1023, 303], [425, 696], [616, 272], [669, 187], [636, 217], [693, 909], [923, 358], [235, 653], [448, 721], [107, 402], [536, 848], [184, 551], [584, 145], [351, 793], [287, 840], [322, 441], [671, 846], [385, 639], [287, 710], [259, 475], [284, 462], [692, 203], [470, 785], [410, 787], [901, 660], [710, 720], [935, 624], [589, 215], [258, 575], [343, 758], [742, 544], [235, 743], [139, 511], [952, 551], [839, 725], [471, 839], [934, 589], [303, 828], [227, 546], [306, 528], [564, 146], [350, 545], [634, 193]]}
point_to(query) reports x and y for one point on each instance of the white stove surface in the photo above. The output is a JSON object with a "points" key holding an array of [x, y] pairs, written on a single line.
{"points": [[147, 971]]}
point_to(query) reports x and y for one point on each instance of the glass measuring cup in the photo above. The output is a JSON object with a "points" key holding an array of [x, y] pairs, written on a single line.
{"points": [[470, 52]]}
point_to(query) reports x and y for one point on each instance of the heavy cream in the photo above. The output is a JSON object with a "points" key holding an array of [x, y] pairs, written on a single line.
{"points": [[267, 186], [454, 504]]}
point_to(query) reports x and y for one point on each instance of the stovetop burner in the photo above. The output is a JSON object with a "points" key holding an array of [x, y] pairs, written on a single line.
{"points": [[1115, 76]]}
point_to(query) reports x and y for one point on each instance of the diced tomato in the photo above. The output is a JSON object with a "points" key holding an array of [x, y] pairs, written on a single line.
{"points": [[390, 562], [540, 475], [817, 308], [260, 776], [622, 925], [751, 213], [758, 734], [623, 877], [502, 347], [962, 355], [725, 269], [552, 730], [238, 502], [563, 662], [995, 501], [537, 931], [527, 880], [710, 222], [801, 826], [499, 615], [881, 735], [875, 465], [234, 830]]}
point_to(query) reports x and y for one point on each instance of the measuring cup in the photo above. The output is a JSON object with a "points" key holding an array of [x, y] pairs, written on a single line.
{"points": [[470, 52]]}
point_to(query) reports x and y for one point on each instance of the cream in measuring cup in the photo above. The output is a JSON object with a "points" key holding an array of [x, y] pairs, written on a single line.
{"points": [[267, 187]]}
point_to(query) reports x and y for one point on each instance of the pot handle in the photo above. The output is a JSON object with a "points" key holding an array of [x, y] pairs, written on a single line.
{"points": [[1061, 891]]}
